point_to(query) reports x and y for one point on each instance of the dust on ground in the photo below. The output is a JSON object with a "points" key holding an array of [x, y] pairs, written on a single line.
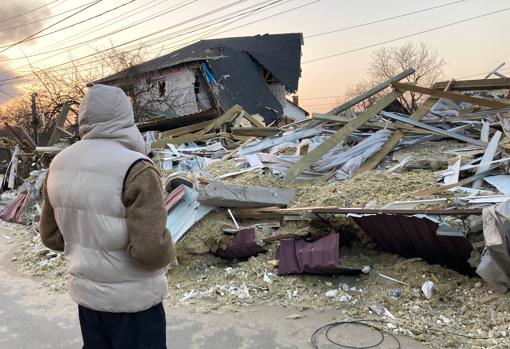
{"points": [[463, 312]]}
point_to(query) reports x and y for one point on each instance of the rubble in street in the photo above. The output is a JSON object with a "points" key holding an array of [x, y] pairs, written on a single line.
{"points": [[381, 215]]}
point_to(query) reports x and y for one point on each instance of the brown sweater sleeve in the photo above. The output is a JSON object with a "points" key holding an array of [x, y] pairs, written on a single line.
{"points": [[150, 244], [51, 236]]}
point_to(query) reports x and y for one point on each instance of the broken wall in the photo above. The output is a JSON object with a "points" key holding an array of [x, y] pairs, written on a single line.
{"points": [[182, 91]]}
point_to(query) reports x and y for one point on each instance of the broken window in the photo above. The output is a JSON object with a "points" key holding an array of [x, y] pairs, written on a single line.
{"points": [[197, 84], [161, 88]]}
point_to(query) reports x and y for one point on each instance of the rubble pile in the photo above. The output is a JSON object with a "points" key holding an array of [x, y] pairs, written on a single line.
{"points": [[408, 201]]}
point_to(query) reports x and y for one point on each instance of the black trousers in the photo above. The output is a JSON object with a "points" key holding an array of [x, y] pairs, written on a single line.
{"points": [[142, 330]]}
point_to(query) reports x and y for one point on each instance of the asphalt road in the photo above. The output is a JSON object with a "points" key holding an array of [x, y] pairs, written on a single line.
{"points": [[34, 316]]}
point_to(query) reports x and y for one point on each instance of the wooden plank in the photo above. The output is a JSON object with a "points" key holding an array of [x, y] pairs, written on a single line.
{"points": [[235, 151], [344, 120], [253, 120], [371, 124], [474, 85], [309, 159], [436, 129], [255, 131], [185, 129], [457, 97], [468, 180], [192, 137], [275, 212], [61, 119], [29, 139], [229, 116], [63, 130], [398, 135], [376, 89], [20, 140]]}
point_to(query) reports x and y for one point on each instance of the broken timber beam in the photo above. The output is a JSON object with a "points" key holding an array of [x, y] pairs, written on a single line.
{"points": [[227, 118], [191, 137], [475, 85], [236, 150], [63, 130], [276, 212], [62, 116], [376, 89], [20, 140], [185, 129], [457, 97], [435, 129], [253, 120], [29, 139], [398, 135], [468, 180], [255, 131], [309, 159]]}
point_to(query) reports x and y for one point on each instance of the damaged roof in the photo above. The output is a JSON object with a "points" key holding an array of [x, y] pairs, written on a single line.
{"points": [[236, 65]]}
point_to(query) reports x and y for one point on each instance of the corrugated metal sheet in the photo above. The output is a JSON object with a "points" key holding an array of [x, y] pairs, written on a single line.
{"points": [[318, 257], [417, 237], [298, 256], [243, 245]]}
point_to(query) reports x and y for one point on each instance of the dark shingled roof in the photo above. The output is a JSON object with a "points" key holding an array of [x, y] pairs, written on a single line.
{"points": [[235, 64]]}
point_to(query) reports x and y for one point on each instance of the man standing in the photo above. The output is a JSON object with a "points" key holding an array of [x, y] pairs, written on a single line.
{"points": [[104, 207]]}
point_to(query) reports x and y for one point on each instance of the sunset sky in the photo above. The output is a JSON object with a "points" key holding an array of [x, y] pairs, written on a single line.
{"points": [[471, 48]]}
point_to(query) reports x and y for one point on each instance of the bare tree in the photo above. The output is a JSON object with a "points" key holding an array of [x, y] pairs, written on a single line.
{"points": [[17, 112], [56, 88], [356, 90], [148, 96], [387, 62]]}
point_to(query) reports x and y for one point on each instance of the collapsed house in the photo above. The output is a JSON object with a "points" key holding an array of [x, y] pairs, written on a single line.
{"points": [[413, 206], [207, 78]]}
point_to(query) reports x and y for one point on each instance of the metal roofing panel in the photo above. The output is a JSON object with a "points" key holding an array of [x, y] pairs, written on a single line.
{"points": [[243, 245], [417, 237], [318, 257]]}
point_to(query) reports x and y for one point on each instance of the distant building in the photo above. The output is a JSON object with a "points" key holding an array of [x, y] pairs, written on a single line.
{"points": [[211, 76]]}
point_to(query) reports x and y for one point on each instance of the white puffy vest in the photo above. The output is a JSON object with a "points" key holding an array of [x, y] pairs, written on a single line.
{"points": [[85, 186]]}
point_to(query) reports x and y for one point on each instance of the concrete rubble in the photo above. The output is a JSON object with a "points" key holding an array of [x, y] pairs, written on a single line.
{"points": [[394, 195]]}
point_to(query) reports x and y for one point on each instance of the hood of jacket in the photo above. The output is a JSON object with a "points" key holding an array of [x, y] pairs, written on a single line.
{"points": [[106, 113]]}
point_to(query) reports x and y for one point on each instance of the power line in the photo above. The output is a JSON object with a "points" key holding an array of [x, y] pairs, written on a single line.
{"points": [[151, 34], [269, 17], [324, 97], [76, 23], [52, 25], [29, 11], [405, 36], [42, 19], [104, 24], [145, 36], [249, 11], [214, 31], [172, 9], [383, 20]]}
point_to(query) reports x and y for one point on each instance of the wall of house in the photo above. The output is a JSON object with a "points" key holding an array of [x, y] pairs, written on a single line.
{"points": [[279, 92], [182, 90], [289, 110], [293, 112]]}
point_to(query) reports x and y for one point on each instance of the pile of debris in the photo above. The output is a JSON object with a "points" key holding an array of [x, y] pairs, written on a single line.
{"points": [[376, 213]]}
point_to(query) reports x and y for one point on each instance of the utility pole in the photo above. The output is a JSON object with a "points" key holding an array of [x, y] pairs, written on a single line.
{"points": [[35, 120]]}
